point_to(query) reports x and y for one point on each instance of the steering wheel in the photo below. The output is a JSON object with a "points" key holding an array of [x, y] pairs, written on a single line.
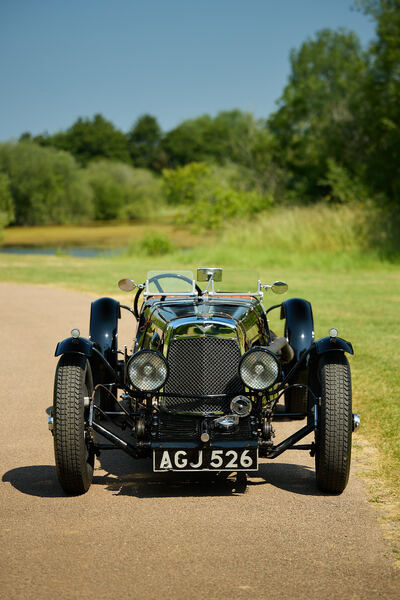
{"points": [[155, 279]]}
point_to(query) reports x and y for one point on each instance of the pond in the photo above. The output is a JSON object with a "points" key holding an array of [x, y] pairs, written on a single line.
{"points": [[77, 251]]}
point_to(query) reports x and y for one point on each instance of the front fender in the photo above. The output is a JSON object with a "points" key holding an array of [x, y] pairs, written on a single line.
{"points": [[328, 344], [299, 325], [103, 330], [80, 345]]}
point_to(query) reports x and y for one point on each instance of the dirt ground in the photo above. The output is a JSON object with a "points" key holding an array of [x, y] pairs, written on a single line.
{"points": [[147, 536]]}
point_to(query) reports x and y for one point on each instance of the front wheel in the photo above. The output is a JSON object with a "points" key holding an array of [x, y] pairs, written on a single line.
{"points": [[73, 453], [334, 428]]}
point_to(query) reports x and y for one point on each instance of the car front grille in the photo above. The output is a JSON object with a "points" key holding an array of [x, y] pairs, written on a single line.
{"points": [[174, 428], [202, 366], [177, 427]]}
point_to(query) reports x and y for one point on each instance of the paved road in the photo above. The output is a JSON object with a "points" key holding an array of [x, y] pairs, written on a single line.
{"points": [[141, 536]]}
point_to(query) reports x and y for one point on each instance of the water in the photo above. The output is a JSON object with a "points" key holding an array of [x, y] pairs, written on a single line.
{"points": [[78, 252]]}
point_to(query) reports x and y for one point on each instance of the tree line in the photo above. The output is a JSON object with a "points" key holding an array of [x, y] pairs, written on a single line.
{"points": [[335, 137]]}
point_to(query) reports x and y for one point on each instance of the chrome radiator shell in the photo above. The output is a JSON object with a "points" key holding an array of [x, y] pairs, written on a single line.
{"points": [[200, 366]]}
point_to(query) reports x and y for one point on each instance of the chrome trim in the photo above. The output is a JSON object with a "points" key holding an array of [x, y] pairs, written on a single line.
{"points": [[247, 405], [176, 294], [90, 420], [203, 326], [245, 319], [214, 294], [356, 422], [207, 273], [50, 424], [227, 422]]}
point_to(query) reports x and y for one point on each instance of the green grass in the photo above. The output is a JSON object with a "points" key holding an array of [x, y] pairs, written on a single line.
{"points": [[322, 254]]}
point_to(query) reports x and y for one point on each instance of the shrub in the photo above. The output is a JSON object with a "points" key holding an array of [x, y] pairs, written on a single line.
{"points": [[209, 196], [157, 244], [46, 185], [343, 187], [120, 191], [185, 185], [154, 243]]}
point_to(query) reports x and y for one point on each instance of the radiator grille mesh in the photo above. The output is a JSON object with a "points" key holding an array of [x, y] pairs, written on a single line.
{"points": [[183, 427], [200, 366]]}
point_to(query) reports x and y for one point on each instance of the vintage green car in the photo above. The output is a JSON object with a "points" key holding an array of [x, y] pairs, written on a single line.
{"points": [[205, 385]]}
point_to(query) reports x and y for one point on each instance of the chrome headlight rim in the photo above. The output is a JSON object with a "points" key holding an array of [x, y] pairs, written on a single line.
{"points": [[266, 351], [141, 353]]}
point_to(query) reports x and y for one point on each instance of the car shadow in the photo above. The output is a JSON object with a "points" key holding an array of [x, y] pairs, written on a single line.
{"points": [[37, 480], [125, 476], [41, 481], [294, 478], [128, 477]]}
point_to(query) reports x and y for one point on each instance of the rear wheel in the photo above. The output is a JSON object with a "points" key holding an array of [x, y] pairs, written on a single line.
{"points": [[73, 453], [334, 429]]}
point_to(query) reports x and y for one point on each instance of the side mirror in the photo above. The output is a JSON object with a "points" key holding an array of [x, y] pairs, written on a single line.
{"points": [[207, 274], [279, 287], [126, 285]]}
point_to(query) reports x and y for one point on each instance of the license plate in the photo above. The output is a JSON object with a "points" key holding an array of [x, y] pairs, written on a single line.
{"points": [[205, 459]]}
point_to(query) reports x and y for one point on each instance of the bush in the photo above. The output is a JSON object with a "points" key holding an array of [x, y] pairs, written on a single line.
{"points": [[344, 187], [211, 195], [122, 192], [46, 185], [154, 243], [157, 244], [6, 202], [185, 185]]}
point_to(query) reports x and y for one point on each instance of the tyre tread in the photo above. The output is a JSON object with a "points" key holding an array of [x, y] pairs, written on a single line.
{"points": [[334, 449], [73, 469]]}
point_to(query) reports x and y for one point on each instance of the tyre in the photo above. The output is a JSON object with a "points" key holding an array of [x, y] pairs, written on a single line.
{"points": [[334, 428], [73, 454]]}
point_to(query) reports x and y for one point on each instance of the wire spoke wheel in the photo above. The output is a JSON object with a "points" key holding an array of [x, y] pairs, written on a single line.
{"points": [[73, 453], [334, 429]]}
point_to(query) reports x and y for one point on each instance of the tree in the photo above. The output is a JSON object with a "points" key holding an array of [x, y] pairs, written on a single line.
{"points": [[144, 143], [230, 137], [185, 143], [381, 105], [46, 185], [317, 118], [90, 139], [208, 196], [120, 191], [6, 202]]}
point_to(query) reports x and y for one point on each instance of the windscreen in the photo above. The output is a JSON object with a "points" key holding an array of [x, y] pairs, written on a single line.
{"points": [[169, 282], [242, 281]]}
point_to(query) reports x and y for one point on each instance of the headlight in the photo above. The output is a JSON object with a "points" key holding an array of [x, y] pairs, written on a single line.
{"points": [[147, 370], [259, 369]]}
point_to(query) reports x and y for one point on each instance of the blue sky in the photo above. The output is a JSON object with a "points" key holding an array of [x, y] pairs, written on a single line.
{"points": [[175, 59]]}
